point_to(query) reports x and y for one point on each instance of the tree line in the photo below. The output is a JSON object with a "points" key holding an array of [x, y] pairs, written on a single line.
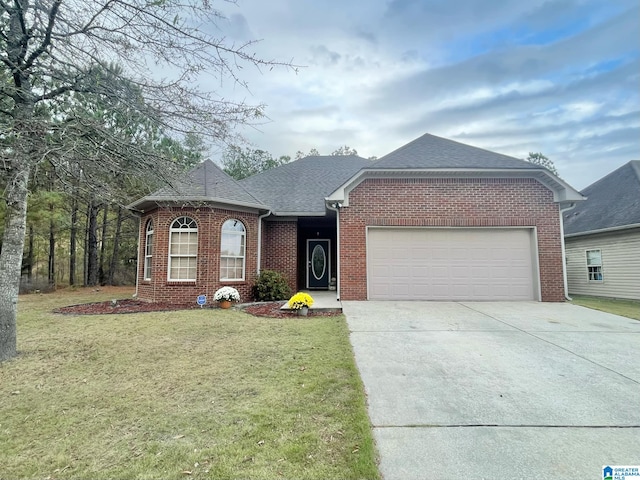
{"points": [[241, 162], [77, 236]]}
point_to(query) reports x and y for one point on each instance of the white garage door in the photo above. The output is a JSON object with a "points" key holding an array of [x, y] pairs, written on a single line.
{"points": [[451, 264]]}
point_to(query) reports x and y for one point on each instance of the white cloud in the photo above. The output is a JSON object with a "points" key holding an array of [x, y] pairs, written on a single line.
{"points": [[556, 76]]}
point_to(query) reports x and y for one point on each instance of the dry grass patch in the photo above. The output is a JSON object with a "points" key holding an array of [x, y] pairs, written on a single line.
{"points": [[189, 394]]}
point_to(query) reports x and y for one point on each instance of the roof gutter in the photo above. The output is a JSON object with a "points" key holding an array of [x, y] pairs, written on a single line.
{"points": [[260, 217], [185, 201], [564, 254], [336, 206], [138, 214]]}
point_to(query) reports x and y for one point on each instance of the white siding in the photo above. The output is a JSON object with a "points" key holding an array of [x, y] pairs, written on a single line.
{"points": [[620, 264]]}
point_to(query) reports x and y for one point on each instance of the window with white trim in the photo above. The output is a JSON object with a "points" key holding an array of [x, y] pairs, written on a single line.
{"points": [[148, 250], [232, 250], [594, 265], [183, 250]]}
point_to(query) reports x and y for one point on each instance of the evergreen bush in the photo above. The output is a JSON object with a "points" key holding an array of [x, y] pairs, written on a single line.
{"points": [[271, 286]]}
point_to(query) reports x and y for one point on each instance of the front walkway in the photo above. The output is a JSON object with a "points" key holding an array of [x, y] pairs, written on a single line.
{"points": [[498, 390]]}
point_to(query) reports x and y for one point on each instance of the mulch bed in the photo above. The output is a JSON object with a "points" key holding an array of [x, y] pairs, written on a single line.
{"points": [[122, 306], [269, 309]]}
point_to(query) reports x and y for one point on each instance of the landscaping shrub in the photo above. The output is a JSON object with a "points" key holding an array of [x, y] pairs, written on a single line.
{"points": [[271, 286]]}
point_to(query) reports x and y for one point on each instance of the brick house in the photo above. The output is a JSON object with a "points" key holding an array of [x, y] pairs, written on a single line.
{"points": [[432, 220]]}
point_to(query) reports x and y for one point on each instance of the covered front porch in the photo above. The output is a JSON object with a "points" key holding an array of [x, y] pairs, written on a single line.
{"points": [[304, 250]]}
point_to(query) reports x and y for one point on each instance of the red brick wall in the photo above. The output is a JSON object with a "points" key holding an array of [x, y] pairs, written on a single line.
{"points": [[442, 202], [279, 251], [210, 221]]}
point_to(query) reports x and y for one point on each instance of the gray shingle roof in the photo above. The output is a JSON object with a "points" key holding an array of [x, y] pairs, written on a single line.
{"points": [[613, 201], [429, 151], [302, 185], [205, 182]]}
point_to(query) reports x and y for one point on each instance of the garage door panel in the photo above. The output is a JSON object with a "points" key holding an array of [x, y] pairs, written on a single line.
{"points": [[481, 290], [451, 264], [479, 273], [459, 272], [439, 292], [459, 254]]}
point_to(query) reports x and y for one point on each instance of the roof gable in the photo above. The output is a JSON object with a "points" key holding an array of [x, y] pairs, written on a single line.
{"points": [[429, 151], [434, 157], [612, 202]]}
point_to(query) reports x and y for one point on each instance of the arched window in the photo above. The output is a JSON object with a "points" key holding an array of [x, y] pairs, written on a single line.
{"points": [[148, 250], [232, 250], [183, 249]]}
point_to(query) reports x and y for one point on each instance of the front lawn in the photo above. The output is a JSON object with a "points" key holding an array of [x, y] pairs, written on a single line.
{"points": [[191, 394], [626, 308]]}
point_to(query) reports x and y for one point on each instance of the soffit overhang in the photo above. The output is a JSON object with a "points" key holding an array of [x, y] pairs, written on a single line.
{"points": [[151, 203]]}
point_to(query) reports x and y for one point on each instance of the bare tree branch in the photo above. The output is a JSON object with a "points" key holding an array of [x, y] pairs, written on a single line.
{"points": [[47, 36]]}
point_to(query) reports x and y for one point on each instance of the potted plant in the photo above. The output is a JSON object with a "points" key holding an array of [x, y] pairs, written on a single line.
{"points": [[225, 296], [301, 302]]}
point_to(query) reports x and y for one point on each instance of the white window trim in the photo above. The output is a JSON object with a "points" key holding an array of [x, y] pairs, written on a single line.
{"points": [[148, 258], [243, 234], [589, 273], [171, 257]]}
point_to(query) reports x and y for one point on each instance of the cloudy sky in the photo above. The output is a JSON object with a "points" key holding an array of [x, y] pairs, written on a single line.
{"points": [[561, 77]]}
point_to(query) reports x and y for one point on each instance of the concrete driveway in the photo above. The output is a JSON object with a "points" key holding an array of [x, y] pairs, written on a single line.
{"points": [[498, 390]]}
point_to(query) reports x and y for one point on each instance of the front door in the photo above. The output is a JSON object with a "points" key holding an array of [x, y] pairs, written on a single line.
{"points": [[318, 264]]}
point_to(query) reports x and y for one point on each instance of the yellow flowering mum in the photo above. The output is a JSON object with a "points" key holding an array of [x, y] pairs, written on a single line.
{"points": [[300, 300]]}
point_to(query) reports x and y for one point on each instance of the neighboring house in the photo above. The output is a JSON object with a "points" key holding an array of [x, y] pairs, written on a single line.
{"points": [[602, 237], [432, 220]]}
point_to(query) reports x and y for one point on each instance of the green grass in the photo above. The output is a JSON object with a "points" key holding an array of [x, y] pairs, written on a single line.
{"points": [[626, 308], [190, 394]]}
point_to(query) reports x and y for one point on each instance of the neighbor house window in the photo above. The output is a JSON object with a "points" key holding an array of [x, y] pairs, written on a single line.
{"points": [[232, 250], [148, 250], [183, 249], [594, 265]]}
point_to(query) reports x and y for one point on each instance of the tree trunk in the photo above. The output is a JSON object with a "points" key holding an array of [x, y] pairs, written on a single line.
{"points": [[103, 236], [92, 245], [72, 241], [11, 258], [23, 157], [30, 256], [85, 255], [51, 276], [116, 246]]}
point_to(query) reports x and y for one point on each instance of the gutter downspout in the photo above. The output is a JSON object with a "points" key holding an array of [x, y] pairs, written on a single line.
{"points": [[139, 215], [336, 208], [564, 254], [260, 217]]}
